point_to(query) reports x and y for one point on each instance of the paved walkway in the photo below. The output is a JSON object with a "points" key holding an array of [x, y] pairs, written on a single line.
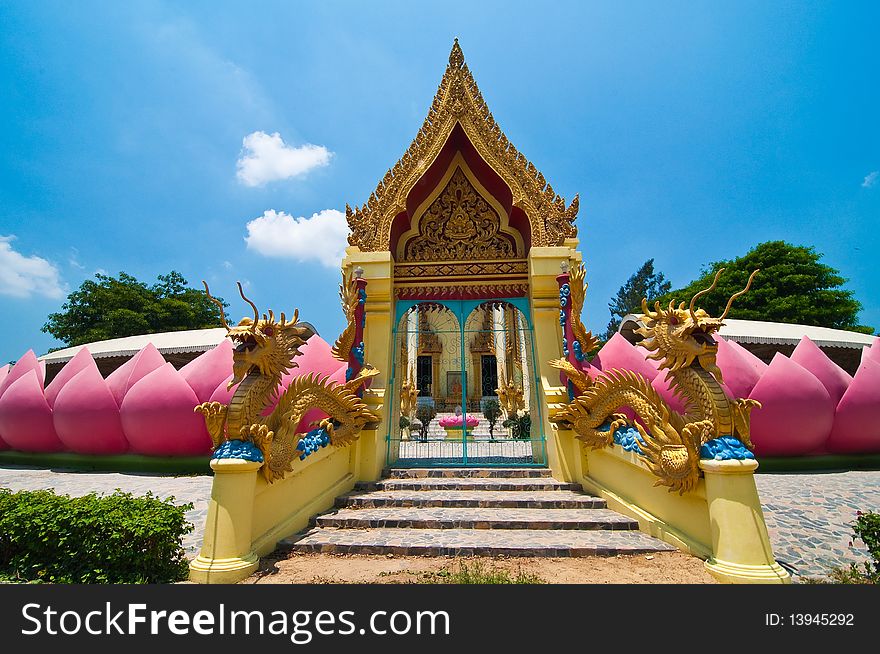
{"points": [[808, 515]]}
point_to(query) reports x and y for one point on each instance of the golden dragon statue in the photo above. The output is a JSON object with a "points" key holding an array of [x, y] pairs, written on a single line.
{"points": [[265, 350], [348, 296], [682, 341], [577, 281]]}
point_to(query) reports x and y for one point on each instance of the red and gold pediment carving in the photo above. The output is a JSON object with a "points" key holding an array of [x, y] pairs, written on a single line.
{"points": [[459, 224]]}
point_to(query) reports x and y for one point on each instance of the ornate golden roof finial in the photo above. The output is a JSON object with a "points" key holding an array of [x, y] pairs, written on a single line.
{"points": [[459, 102], [456, 56]]}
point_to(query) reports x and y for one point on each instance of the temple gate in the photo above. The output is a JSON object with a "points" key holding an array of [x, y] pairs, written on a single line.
{"points": [[449, 237]]}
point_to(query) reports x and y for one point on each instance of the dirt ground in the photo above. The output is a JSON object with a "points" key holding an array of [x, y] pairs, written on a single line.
{"points": [[657, 568]]}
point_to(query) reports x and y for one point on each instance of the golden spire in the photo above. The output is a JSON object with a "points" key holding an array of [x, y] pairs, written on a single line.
{"points": [[459, 102]]}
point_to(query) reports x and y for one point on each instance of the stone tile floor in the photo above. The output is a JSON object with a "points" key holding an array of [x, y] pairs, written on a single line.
{"points": [[808, 515]]}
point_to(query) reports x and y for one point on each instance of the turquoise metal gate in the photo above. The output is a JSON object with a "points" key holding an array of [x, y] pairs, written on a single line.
{"points": [[464, 386]]}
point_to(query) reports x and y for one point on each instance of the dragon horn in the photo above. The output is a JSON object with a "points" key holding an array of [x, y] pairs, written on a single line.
{"points": [[218, 303], [283, 319], [271, 316], [253, 306], [736, 295], [703, 292]]}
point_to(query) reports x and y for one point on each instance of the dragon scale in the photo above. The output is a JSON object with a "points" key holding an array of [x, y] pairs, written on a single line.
{"points": [[705, 398]]}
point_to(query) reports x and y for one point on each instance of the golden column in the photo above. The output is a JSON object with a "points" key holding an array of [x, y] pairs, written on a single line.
{"points": [[378, 271], [563, 454]]}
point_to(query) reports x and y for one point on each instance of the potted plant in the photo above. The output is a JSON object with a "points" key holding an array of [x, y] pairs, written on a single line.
{"points": [[425, 414], [520, 426], [405, 425], [491, 412]]}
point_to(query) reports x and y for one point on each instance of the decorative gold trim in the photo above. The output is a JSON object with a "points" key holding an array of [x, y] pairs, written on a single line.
{"points": [[458, 163], [475, 289], [459, 102], [463, 269]]}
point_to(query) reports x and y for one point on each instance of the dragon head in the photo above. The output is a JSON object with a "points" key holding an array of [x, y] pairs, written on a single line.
{"points": [[263, 343], [677, 336]]}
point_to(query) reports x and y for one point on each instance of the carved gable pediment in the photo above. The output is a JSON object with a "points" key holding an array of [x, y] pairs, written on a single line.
{"points": [[460, 225]]}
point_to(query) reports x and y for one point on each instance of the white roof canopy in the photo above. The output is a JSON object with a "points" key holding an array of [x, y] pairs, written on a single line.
{"points": [[193, 340], [778, 333]]}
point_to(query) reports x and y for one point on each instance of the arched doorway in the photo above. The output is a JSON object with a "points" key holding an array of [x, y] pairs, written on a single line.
{"points": [[464, 385]]}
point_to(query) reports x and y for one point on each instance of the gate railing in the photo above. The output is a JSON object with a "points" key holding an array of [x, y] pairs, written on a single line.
{"points": [[515, 439]]}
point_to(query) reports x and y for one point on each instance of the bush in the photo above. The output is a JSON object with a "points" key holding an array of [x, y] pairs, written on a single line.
{"points": [[520, 426], [491, 412], [117, 538], [867, 529]]}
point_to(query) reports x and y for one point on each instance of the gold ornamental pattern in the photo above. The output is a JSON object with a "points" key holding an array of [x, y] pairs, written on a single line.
{"points": [[459, 102], [458, 269], [460, 226]]}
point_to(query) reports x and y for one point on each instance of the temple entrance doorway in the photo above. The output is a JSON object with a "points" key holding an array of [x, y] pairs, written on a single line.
{"points": [[464, 385]]}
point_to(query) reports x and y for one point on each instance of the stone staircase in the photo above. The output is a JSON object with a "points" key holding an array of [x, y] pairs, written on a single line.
{"points": [[472, 512]]}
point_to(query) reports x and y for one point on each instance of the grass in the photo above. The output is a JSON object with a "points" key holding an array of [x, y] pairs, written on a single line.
{"points": [[844, 575], [478, 573]]}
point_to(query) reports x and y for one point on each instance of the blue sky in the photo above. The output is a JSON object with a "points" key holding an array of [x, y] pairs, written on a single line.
{"points": [[692, 131]]}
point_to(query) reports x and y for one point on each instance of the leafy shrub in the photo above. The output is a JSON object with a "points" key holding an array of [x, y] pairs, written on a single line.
{"points": [[520, 427], [491, 412], [867, 529], [117, 538]]}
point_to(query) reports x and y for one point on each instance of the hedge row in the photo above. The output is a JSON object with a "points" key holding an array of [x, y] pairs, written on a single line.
{"points": [[117, 538]]}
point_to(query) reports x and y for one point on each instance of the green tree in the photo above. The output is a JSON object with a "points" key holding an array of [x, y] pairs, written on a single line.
{"points": [[644, 283], [113, 307], [793, 286]]}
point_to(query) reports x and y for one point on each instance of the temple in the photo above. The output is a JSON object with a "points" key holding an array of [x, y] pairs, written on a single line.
{"points": [[465, 360], [459, 404], [453, 236]]}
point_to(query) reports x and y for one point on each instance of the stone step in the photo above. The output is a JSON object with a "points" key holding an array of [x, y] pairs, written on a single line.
{"points": [[485, 518], [472, 499], [463, 483], [474, 542], [483, 473]]}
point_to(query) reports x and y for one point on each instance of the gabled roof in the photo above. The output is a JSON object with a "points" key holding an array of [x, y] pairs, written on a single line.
{"points": [[459, 102]]}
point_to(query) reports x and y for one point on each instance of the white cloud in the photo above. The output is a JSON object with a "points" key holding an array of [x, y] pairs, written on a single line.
{"points": [[871, 179], [73, 259], [321, 238], [22, 276], [267, 158]]}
